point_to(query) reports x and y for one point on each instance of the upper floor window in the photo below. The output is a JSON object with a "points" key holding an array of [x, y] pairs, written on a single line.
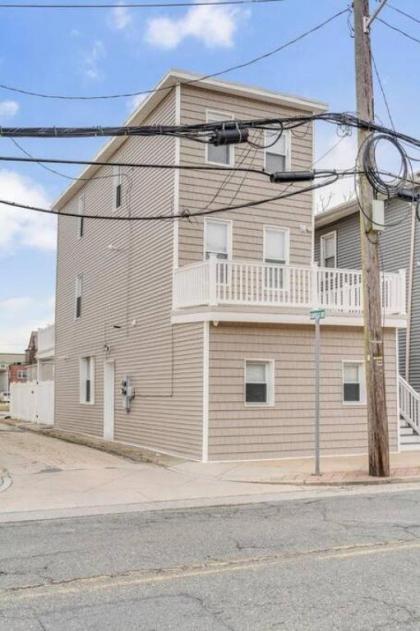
{"points": [[78, 297], [224, 153], [329, 250], [81, 212], [277, 151], [217, 238], [276, 245], [354, 382], [117, 180], [87, 376]]}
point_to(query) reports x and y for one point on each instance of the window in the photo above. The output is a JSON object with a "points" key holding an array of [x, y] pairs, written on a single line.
{"points": [[329, 250], [87, 379], [21, 374], [78, 304], [80, 221], [117, 179], [354, 382], [224, 153], [259, 383], [276, 253], [277, 153], [217, 238]]}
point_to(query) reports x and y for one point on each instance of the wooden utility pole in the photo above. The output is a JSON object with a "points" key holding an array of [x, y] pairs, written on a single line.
{"points": [[378, 441]]}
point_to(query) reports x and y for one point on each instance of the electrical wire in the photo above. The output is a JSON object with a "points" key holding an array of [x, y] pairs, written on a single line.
{"points": [[211, 75], [399, 30], [381, 87], [401, 12], [172, 217]]}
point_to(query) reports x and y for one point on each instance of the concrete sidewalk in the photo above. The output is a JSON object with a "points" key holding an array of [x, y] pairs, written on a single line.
{"points": [[44, 474]]}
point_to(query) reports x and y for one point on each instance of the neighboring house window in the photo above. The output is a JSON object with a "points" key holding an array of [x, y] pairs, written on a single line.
{"points": [[79, 289], [354, 382], [329, 250], [21, 374], [259, 382], [81, 211], [276, 253], [277, 153], [87, 379], [117, 179], [224, 153], [217, 238]]}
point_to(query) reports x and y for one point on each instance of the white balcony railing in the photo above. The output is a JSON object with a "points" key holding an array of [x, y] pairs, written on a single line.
{"points": [[222, 282], [46, 342]]}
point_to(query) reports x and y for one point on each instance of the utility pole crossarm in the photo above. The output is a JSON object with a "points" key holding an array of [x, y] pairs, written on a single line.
{"points": [[367, 21]]}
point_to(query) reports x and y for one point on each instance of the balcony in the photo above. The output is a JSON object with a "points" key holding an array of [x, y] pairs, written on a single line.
{"points": [[46, 342], [276, 293]]}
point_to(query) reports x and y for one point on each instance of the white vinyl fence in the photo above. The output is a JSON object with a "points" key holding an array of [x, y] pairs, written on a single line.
{"points": [[32, 401]]}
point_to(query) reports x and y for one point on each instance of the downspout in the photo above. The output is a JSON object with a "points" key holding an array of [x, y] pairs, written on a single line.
{"points": [[410, 294]]}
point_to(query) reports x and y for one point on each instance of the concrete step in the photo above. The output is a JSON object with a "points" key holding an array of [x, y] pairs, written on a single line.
{"points": [[406, 431], [410, 447], [414, 439]]}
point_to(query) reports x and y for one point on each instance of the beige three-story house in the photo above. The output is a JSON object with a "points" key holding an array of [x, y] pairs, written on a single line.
{"points": [[206, 319]]}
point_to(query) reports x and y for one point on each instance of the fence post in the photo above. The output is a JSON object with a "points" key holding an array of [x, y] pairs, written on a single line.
{"points": [[402, 292], [315, 298], [212, 279]]}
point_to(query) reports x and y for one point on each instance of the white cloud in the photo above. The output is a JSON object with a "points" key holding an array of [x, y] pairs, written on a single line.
{"points": [[19, 316], [19, 227], [93, 58], [212, 25], [341, 155], [120, 18], [8, 109], [134, 101]]}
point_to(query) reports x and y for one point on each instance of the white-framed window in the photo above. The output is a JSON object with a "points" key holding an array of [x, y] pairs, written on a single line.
{"points": [[354, 388], [259, 382], [277, 155], [81, 212], [78, 296], [21, 374], [87, 380], [276, 254], [223, 154], [117, 181], [329, 249], [217, 238]]}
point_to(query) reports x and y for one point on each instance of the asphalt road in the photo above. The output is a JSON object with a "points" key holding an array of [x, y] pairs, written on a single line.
{"points": [[348, 563]]}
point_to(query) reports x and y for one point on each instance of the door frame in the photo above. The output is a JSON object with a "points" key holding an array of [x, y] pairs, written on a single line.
{"points": [[109, 399]]}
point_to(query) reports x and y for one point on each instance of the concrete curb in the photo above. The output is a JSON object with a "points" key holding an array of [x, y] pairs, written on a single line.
{"points": [[337, 483], [135, 454]]}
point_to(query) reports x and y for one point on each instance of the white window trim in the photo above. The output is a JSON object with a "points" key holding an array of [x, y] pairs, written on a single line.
{"points": [[287, 241], [79, 277], [92, 381], [80, 211], [116, 180], [226, 116], [361, 363], [327, 235], [270, 383], [288, 145], [229, 224]]}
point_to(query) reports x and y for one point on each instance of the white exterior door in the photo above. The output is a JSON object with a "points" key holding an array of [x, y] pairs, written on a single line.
{"points": [[109, 399]]}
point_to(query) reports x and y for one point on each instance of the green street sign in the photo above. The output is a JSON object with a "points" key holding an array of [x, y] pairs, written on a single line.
{"points": [[317, 314]]}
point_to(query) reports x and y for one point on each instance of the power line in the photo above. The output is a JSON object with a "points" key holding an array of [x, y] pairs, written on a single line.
{"points": [[407, 15], [185, 214], [244, 64], [399, 30], [132, 5], [378, 77]]}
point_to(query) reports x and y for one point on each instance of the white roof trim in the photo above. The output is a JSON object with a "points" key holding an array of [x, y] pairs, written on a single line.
{"points": [[172, 78], [335, 214]]}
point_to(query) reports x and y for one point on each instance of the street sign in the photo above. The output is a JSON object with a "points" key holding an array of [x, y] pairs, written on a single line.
{"points": [[317, 314]]}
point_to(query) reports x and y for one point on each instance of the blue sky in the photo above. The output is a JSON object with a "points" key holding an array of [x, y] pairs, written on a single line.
{"points": [[110, 51]]}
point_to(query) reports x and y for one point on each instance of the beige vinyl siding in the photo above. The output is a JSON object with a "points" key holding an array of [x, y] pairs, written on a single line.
{"points": [[198, 188], [126, 307], [286, 429]]}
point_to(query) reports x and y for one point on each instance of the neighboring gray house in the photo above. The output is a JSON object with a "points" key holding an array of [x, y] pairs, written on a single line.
{"points": [[337, 244], [193, 337]]}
